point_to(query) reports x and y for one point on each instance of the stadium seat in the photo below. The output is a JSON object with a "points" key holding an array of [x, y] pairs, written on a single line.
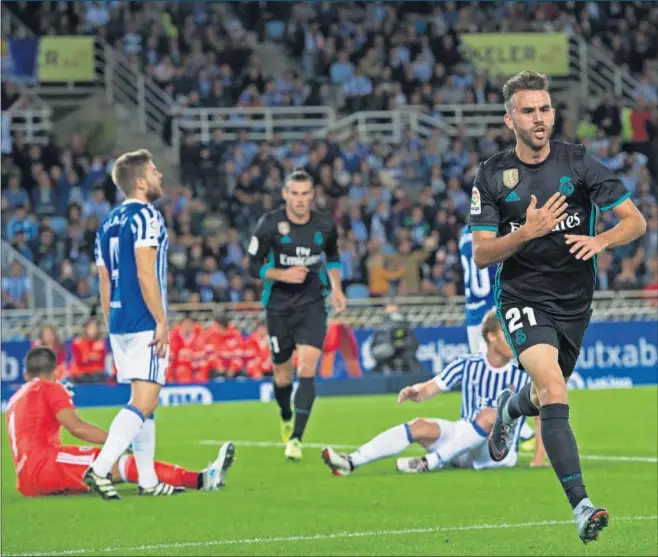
{"points": [[357, 292], [274, 30]]}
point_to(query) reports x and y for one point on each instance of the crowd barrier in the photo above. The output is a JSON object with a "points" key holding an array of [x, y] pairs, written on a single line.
{"points": [[614, 355]]}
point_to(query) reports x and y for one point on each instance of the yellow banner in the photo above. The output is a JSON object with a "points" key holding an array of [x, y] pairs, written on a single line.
{"points": [[510, 53], [66, 59]]}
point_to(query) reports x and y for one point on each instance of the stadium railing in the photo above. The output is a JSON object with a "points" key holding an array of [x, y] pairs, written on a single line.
{"points": [[419, 311], [125, 83], [599, 74], [292, 123], [296, 123], [49, 300], [122, 81], [32, 117]]}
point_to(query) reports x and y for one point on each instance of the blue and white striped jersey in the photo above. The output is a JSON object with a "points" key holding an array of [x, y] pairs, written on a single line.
{"points": [[480, 382], [478, 283], [129, 226]]}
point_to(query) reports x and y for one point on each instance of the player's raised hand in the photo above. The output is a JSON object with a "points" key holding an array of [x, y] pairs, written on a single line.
{"points": [[339, 301], [409, 393], [539, 222], [295, 275], [161, 339], [584, 247]]}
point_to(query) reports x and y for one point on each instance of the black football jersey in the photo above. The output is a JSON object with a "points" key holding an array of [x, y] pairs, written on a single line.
{"points": [[543, 272], [277, 242]]}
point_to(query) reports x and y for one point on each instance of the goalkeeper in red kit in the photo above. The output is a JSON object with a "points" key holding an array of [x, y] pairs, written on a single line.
{"points": [[35, 415]]}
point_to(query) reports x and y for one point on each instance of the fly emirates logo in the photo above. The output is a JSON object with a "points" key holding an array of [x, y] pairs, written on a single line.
{"points": [[572, 221], [302, 258]]}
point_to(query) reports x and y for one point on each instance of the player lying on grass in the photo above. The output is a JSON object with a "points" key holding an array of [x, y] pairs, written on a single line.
{"points": [[460, 444], [37, 412]]}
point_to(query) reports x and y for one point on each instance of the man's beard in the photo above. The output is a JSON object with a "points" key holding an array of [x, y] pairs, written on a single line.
{"points": [[153, 195], [529, 140]]}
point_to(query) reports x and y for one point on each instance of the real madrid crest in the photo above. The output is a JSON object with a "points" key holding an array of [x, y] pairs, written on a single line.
{"points": [[511, 177], [284, 228]]}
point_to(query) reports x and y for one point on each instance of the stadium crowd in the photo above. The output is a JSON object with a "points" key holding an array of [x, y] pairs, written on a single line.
{"points": [[399, 207]]}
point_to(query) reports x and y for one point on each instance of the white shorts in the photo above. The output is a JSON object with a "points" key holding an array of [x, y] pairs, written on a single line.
{"points": [[476, 341], [136, 360], [477, 458]]}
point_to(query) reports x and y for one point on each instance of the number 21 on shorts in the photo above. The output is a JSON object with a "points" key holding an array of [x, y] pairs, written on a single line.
{"points": [[515, 321]]}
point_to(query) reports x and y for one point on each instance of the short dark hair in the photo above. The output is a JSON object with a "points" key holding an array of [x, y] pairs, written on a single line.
{"points": [[523, 81], [222, 318], [490, 324], [299, 174], [40, 361], [128, 168]]}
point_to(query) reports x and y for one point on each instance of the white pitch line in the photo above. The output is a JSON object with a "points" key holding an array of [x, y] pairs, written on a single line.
{"points": [[316, 537], [266, 444]]}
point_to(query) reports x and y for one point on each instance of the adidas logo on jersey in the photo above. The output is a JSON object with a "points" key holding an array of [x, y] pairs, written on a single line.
{"points": [[512, 197]]}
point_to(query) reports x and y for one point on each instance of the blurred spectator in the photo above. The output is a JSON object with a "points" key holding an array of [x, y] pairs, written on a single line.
{"points": [[185, 352], [49, 337], [88, 353], [256, 353], [16, 289], [222, 344]]}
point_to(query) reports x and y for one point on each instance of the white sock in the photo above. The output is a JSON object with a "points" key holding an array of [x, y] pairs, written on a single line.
{"points": [[389, 443], [467, 436], [144, 453], [123, 430]]}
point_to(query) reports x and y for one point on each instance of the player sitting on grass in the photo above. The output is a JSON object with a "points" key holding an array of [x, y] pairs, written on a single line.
{"points": [[35, 415], [461, 444]]}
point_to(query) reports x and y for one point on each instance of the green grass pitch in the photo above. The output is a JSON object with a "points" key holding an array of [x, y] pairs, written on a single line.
{"points": [[275, 507]]}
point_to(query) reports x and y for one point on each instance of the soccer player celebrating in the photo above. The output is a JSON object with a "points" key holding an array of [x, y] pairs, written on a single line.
{"points": [[460, 444], [534, 210], [131, 255], [286, 253], [35, 415]]}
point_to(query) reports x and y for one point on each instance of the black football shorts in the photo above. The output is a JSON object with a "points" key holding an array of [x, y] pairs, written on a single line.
{"points": [[527, 326]]}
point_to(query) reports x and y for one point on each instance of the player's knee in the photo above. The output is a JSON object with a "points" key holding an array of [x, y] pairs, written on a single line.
{"points": [[308, 361], [485, 419], [552, 392], [144, 396], [421, 429], [283, 374]]}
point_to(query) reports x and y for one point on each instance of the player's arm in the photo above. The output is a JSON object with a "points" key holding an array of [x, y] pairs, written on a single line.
{"points": [[333, 265], [145, 257], [484, 222], [76, 426], [449, 379], [333, 259], [103, 281], [420, 391], [259, 247], [608, 193], [60, 405], [146, 233]]}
